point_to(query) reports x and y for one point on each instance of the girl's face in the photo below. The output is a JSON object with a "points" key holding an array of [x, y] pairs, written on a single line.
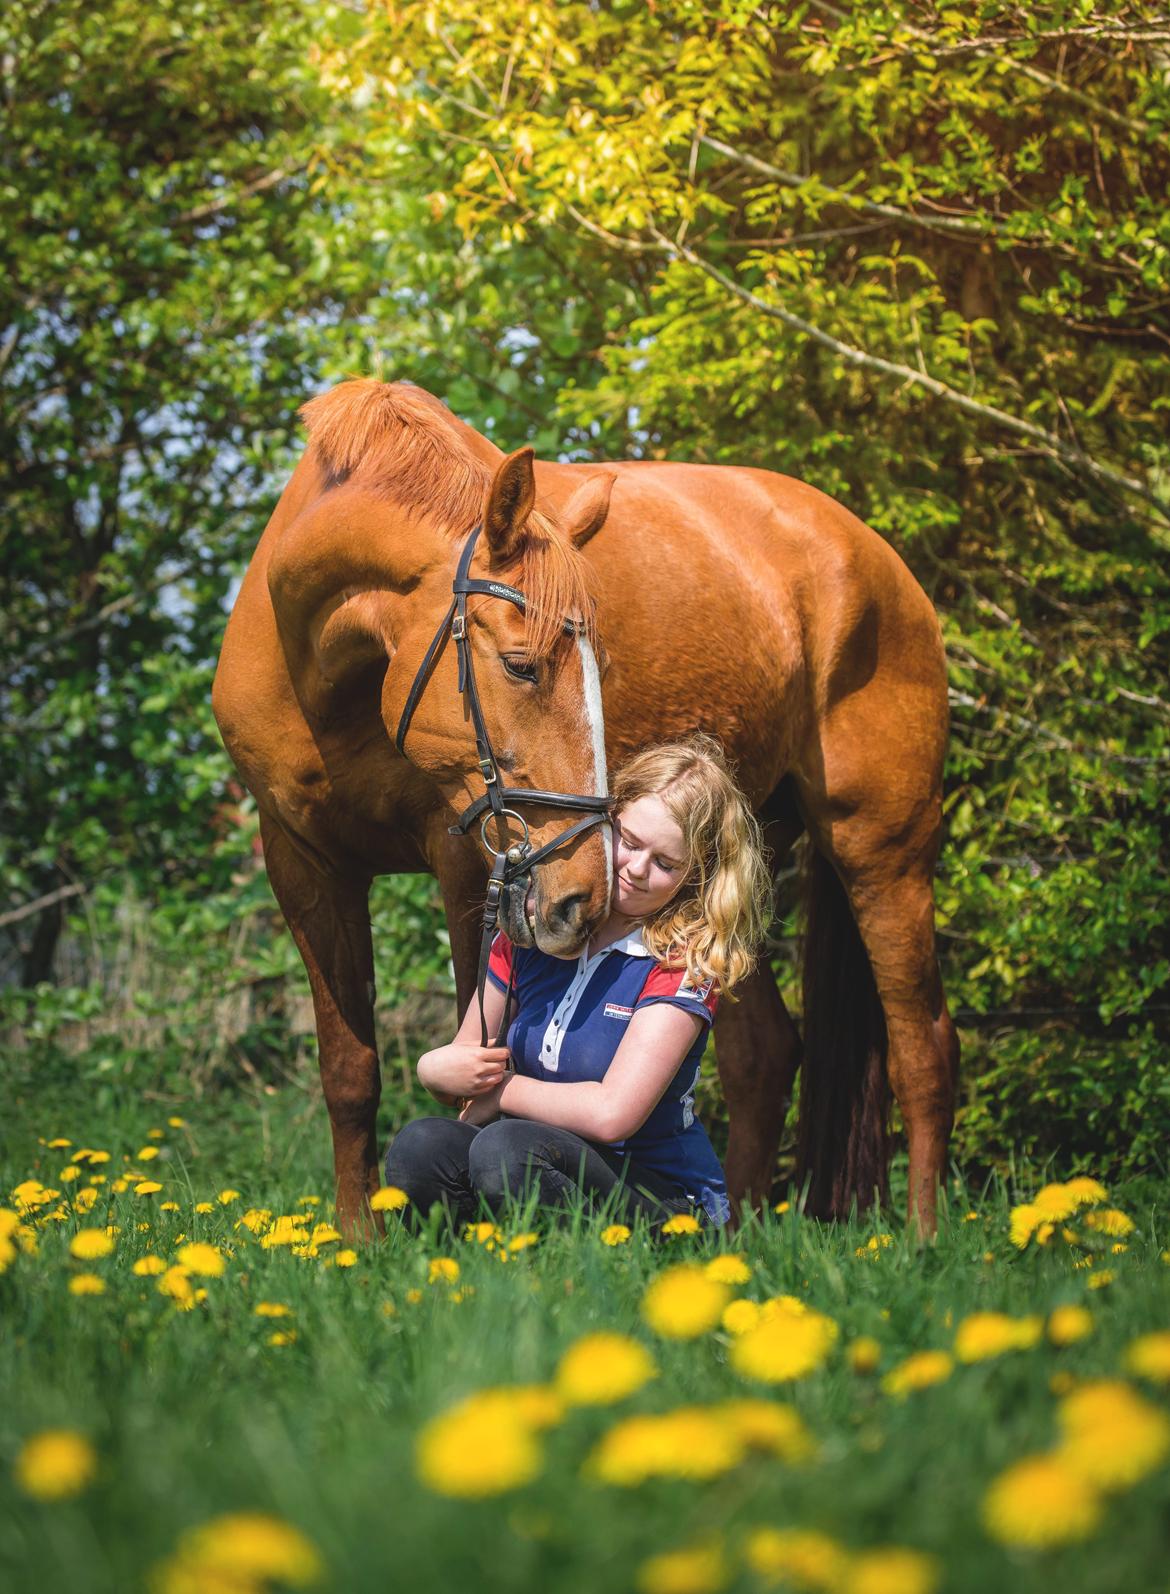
{"points": [[649, 858]]}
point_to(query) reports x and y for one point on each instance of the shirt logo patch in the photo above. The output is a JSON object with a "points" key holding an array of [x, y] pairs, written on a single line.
{"points": [[616, 1010], [701, 992]]}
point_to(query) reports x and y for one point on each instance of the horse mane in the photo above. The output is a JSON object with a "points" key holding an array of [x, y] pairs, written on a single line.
{"points": [[393, 438]]}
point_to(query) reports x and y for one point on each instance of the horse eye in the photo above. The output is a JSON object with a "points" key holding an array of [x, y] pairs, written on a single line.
{"points": [[520, 669]]}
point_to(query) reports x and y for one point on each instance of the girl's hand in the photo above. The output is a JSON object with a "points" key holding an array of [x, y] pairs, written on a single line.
{"points": [[463, 1070], [482, 1110]]}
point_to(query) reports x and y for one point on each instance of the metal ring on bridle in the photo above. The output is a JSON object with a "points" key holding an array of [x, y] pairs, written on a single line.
{"points": [[504, 845]]}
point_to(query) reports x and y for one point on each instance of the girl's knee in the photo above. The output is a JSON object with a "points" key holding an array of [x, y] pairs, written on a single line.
{"points": [[500, 1157], [420, 1143]]}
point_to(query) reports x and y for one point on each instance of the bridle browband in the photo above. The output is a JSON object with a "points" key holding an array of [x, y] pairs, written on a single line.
{"points": [[498, 801]]}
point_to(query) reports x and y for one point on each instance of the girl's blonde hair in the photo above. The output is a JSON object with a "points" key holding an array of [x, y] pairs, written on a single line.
{"points": [[716, 920]]}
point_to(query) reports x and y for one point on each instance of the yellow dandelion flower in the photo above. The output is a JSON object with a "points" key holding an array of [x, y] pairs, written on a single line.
{"points": [[603, 1368], [309, 1201], [1040, 1502], [168, 1206], [682, 1302], [692, 1442], [85, 1199], [782, 1207], [389, 1199], [69, 1174], [58, 1144], [89, 1244], [788, 1342], [156, 1134], [176, 1285], [288, 1229], [798, 1557], [864, 1355], [282, 1336], [481, 1233], [121, 1185], [615, 1234], [919, 1371], [477, 1450], [226, 1197], [255, 1220], [698, 1570], [1023, 1222], [983, 1335], [271, 1309], [413, 1297], [149, 1266], [1100, 1280], [203, 1208], [536, 1405], [767, 1425], [147, 1187], [681, 1223], [1111, 1435], [389, 1309], [970, 1217], [346, 1258], [1054, 1203], [146, 1153], [442, 1270], [205, 1260], [1086, 1192], [521, 1242], [176, 1122], [241, 1551], [31, 1194], [1111, 1222], [1068, 1324], [86, 1284], [728, 1270], [739, 1316], [324, 1234], [87, 1154], [1149, 1357], [55, 1464], [891, 1570]]}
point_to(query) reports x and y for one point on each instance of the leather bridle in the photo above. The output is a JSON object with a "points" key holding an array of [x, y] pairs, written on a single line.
{"points": [[498, 801]]}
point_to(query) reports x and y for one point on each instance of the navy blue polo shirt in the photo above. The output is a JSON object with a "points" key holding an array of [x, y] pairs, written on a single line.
{"points": [[571, 1018]]}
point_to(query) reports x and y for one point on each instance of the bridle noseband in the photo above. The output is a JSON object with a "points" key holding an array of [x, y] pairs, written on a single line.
{"points": [[498, 801]]}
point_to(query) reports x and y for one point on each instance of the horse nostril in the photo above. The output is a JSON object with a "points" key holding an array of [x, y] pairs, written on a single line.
{"points": [[569, 912]]}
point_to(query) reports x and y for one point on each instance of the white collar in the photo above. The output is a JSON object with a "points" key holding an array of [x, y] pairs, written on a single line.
{"points": [[632, 945]]}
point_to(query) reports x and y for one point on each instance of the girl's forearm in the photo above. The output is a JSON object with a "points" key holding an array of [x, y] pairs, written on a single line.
{"points": [[582, 1107]]}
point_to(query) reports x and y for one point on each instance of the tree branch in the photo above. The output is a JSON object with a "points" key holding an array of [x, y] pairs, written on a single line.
{"points": [[1056, 446]]}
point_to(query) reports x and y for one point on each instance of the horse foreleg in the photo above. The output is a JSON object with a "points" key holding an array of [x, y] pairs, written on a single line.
{"points": [[896, 919], [329, 918], [757, 1050]]}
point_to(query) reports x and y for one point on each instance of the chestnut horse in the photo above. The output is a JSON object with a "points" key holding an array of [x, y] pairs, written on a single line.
{"points": [[736, 601]]}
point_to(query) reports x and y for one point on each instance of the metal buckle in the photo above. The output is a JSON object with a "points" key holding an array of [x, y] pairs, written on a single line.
{"points": [[509, 813], [458, 627], [488, 771]]}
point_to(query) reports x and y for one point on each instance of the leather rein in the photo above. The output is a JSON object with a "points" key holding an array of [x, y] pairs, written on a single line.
{"points": [[499, 802]]}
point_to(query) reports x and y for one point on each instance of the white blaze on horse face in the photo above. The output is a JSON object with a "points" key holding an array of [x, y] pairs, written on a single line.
{"points": [[595, 729]]}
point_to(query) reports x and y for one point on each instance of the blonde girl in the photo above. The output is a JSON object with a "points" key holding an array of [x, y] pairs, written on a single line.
{"points": [[595, 1089]]}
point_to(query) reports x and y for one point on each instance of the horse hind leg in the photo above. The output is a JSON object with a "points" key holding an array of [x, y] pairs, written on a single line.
{"points": [[329, 918], [890, 890]]}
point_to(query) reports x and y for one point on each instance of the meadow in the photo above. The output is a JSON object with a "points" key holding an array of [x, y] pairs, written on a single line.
{"points": [[236, 1399]]}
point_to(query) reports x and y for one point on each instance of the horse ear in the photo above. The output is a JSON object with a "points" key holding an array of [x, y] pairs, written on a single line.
{"points": [[509, 503], [585, 512]]}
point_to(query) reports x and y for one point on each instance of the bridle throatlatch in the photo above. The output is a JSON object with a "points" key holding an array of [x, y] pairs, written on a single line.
{"points": [[499, 802]]}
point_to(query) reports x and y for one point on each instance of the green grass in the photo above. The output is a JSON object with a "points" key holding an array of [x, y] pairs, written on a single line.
{"points": [[195, 1413]]}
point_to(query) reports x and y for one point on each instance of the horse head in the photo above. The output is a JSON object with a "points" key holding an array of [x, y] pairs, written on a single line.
{"points": [[529, 690]]}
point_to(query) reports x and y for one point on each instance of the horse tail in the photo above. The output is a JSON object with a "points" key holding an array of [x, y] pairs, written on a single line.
{"points": [[842, 1142]]}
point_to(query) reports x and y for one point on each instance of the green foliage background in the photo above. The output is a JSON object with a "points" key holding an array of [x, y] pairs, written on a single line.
{"points": [[917, 256]]}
